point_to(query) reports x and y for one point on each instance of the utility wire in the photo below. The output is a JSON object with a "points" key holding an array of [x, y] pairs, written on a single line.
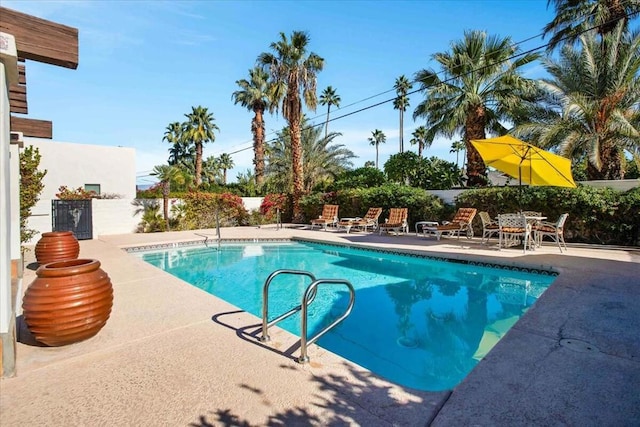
{"points": [[527, 52]]}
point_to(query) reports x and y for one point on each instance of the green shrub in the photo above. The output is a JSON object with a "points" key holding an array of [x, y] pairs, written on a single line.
{"points": [[31, 187], [356, 202], [596, 215]]}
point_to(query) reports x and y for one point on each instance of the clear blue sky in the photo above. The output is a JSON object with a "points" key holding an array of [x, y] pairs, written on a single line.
{"points": [[144, 64]]}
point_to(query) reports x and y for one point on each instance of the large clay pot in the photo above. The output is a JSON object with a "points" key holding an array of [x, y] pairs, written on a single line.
{"points": [[68, 302], [57, 246]]}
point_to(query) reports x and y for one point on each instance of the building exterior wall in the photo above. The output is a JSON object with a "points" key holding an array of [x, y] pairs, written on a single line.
{"points": [[5, 207], [74, 165]]}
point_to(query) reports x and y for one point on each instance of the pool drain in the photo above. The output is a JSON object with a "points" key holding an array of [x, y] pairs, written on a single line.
{"points": [[578, 345]]}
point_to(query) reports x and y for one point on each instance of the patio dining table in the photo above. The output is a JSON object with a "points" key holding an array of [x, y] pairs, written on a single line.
{"points": [[532, 220]]}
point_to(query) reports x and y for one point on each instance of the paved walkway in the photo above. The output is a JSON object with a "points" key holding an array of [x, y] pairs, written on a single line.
{"points": [[172, 354]]}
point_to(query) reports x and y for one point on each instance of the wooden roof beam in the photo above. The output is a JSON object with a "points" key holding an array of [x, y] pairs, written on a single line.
{"points": [[18, 99], [32, 127], [41, 40], [22, 74]]}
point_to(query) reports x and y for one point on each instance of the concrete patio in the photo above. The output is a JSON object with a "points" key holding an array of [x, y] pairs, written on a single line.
{"points": [[172, 354]]}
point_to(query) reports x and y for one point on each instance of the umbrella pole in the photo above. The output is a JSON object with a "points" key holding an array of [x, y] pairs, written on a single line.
{"points": [[520, 186]]}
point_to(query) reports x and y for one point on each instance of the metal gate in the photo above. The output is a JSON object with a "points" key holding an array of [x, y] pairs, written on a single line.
{"points": [[72, 215]]}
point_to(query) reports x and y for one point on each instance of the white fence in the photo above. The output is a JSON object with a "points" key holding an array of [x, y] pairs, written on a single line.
{"points": [[110, 216]]}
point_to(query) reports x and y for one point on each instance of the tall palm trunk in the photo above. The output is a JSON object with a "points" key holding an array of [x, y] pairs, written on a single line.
{"points": [[474, 129], [198, 164], [610, 159], [257, 128], [401, 131], [165, 202], [376, 156], [326, 124], [298, 172]]}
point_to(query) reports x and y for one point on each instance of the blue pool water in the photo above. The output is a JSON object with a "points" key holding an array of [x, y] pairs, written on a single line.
{"points": [[418, 322]]}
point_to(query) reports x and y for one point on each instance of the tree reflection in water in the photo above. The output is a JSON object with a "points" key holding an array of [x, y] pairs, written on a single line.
{"points": [[448, 319]]}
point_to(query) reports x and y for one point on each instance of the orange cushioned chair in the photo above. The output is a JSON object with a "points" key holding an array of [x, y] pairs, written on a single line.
{"points": [[461, 223], [329, 217], [397, 221]]}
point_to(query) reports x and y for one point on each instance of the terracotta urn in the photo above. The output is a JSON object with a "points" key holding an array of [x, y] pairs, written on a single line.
{"points": [[68, 302], [57, 246]]}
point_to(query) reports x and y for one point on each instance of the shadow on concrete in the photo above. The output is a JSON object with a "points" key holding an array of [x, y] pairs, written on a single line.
{"points": [[252, 334], [24, 335], [345, 400]]}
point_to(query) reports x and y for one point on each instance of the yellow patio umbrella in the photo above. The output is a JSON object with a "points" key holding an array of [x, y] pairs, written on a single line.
{"points": [[528, 163]]}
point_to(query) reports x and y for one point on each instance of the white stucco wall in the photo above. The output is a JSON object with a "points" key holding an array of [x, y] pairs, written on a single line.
{"points": [[5, 207], [75, 165], [114, 216], [252, 203]]}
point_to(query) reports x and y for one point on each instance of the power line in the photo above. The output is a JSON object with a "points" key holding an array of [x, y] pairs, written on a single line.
{"points": [[513, 45]]}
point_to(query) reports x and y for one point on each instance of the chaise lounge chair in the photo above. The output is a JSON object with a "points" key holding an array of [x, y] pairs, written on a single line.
{"points": [[329, 217], [461, 223], [397, 221], [369, 220]]}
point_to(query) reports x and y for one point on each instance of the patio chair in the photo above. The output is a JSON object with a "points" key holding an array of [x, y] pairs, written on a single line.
{"points": [[397, 221], [514, 229], [370, 219], [329, 217], [489, 226], [461, 223], [553, 230]]}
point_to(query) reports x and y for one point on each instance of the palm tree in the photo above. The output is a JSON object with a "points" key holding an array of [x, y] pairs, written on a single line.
{"points": [[198, 130], [329, 97], [377, 138], [293, 70], [166, 174], [590, 104], [574, 17], [323, 159], [402, 87], [179, 152], [211, 170], [422, 138], [457, 147], [225, 162], [481, 88], [256, 96]]}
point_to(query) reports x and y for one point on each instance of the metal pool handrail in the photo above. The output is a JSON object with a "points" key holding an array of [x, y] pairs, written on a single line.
{"points": [[265, 301], [309, 295]]}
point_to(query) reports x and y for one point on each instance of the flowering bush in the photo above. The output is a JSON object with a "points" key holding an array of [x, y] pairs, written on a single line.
{"points": [[270, 205], [77, 194], [200, 210]]}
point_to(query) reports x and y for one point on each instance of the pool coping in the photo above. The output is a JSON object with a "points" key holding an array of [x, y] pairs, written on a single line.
{"points": [[529, 377], [546, 271]]}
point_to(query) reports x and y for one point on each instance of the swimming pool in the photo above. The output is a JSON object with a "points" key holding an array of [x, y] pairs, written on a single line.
{"points": [[419, 322]]}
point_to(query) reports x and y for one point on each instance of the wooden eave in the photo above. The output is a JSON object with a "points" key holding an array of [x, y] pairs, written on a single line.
{"points": [[18, 99], [32, 127], [41, 40]]}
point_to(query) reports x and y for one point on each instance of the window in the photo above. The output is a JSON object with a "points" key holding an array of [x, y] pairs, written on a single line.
{"points": [[92, 187]]}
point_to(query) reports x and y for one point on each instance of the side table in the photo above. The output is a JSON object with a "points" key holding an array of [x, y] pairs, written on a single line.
{"points": [[424, 224]]}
